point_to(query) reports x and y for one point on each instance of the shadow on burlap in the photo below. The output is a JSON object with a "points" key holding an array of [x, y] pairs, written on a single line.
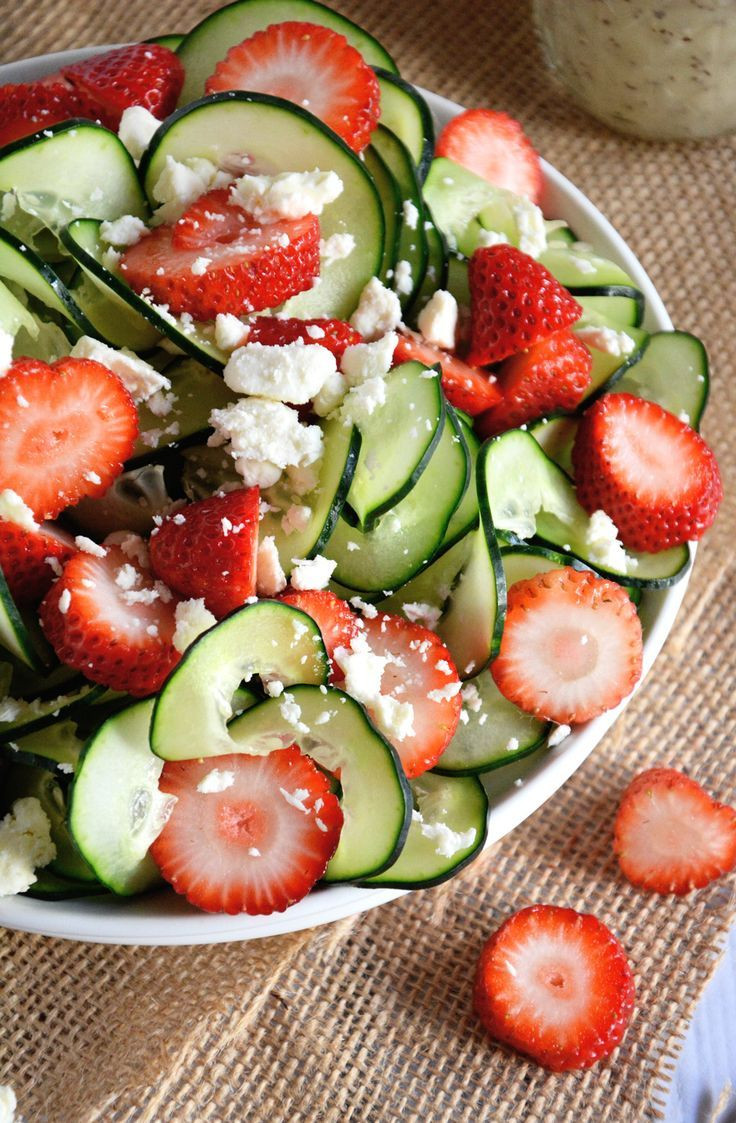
{"points": [[371, 1019]]}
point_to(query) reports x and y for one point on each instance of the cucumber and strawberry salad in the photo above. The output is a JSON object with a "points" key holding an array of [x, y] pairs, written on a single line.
{"points": [[332, 471]]}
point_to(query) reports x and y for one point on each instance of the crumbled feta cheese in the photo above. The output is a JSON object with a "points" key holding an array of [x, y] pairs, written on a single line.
{"points": [[139, 378], [445, 693], [230, 332], [64, 602], [265, 437], [296, 518], [369, 610], [403, 280], [437, 321], [124, 231], [218, 780], [180, 183], [558, 734], [270, 577], [93, 478], [136, 129], [363, 670], [582, 264], [14, 510], [6, 351], [302, 479], [361, 361], [132, 545], [314, 331], [292, 373], [420, 613], [394, 718], [296, 799], [378, 311], [606, 339], [286, 195], [192, 619], [291, 712], [25, 845], [55, 566], [512, 744], [331, 394], [471, 697], [200, 265], [605, 549], [336, 248], [411, 214], [491, 238], [274, 688], [449, 842], [111, 259], [127, 577], [87, 546], [531, 228], [313, 573], [362, 401]]}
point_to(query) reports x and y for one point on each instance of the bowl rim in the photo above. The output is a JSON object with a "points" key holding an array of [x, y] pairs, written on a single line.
{"points": [[162, 918]]}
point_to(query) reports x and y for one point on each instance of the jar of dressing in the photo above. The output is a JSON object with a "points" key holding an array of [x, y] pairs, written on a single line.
{"points": [[661, 69]]}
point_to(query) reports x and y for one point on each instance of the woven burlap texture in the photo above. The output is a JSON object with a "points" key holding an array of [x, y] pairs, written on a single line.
{"points": [[371, 1019]]}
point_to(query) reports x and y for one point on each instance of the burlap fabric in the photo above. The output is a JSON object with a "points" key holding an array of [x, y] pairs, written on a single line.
{"points": [[371, 1019]]}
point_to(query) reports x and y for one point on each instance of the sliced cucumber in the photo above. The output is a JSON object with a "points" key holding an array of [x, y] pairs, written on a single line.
{"points": [[269, 639], [465, 516], [196, 392], [405, 112], [54, 747], [556, 435], [107, 299], [390, 196], [116, 809], [19, 635], [14, 315], [436, 276], [48, 342], [340, 737], [608, 368], [408, 536], [433, 584], [472, 623], [530, 495], [448, 829], [172, 42], [72, 170], [399, 439], [618, 304], [412, 246], [582, 269], [279, 136], [457, 279], [209, 42], [22, 780], [493, 732], [40, 713], [21, 265], [673, 372], [334, 473]]}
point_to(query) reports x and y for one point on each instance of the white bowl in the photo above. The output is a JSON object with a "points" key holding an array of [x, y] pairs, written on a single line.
{"points": [[164, 917]]}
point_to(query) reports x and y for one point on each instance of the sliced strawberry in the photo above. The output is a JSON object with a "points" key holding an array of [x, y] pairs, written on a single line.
{"points": [[654, 475], [29, 559], [257, 840], [555, 984], [495, 147], [335, 619], [670, 835], [208, 549], [514, 302], [553, 374], [144, 74], [272, 331], [226, 263], [65, 430], [312, 66], [467, 388], [109, 619], [419, 671], [571, 645], [28, 107]]}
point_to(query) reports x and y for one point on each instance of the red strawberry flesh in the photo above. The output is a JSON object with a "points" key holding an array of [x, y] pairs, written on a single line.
{"points": [[495, 147], [145, 74], [465, 387]]}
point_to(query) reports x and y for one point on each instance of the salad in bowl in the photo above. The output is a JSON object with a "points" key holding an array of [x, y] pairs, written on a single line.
{"points": [[348, 460]]}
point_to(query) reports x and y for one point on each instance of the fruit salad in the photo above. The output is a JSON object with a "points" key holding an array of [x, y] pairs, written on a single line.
{"points": [[333, 471]]}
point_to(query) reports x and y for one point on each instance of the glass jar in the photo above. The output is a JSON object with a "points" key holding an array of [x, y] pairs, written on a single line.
{"points": [[661, 69]]}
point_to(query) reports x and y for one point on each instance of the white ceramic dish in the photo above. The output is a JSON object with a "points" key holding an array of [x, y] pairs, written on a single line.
{"points": [[165, 918]]}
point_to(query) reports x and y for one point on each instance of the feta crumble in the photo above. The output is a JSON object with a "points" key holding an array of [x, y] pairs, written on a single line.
{"points": [[445, 693], [531, 228], [87, 546], [491, 238], [192, 619], [139, 378], [362, 361], [314, 573], [601, 538], [64, 602], [296, 518], [287, 194], [403, 279], [420, 613], [558, 734], [25, 845], [362, 401], [6, 351], [449, 842], [181, 182], [265, 437], [218, 780], [291, 373], [437, 321], [410, 214], [230, 332], [606, 339], [136, 129], [363, 670], [14, 510], [378, 311], [296, 799], [123, 231], [335, 248], [331, 394], [270, 577]]}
